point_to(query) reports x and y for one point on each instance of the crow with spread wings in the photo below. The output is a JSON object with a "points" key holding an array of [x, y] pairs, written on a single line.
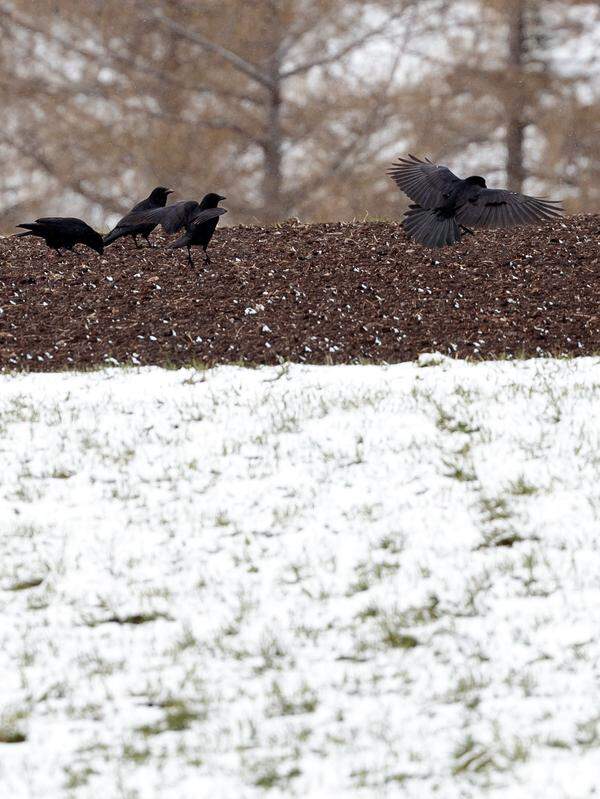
{"points": [[156, 199], [446, 206], [198, 219]]}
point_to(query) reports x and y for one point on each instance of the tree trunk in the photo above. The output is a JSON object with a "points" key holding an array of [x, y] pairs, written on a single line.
{"points": [[273, 158], [516, 123]]}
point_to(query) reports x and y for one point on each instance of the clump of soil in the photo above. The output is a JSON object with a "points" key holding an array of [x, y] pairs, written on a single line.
{"points": [[326, 293]]}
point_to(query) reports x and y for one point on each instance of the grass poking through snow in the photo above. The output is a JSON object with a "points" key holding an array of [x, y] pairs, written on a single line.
{"points": [[306, 582]]}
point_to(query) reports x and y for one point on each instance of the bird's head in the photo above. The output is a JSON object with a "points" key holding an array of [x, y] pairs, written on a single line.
{"points": [[96, 243], [477, 180], [160, 194], [211, 200]]}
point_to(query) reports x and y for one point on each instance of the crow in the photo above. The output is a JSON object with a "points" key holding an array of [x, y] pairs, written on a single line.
{"points": [[446, 206], [63, 233], [124, 227], [198, 219]]}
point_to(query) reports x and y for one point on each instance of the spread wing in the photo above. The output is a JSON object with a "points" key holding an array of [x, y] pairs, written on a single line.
{"points": [[204, 216], [500, 208], [129, 220], [171, 217], [201, 217], [424, 182]]}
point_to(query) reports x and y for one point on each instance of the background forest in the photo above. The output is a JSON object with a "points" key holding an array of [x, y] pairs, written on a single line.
{"points": [[292, 108]]}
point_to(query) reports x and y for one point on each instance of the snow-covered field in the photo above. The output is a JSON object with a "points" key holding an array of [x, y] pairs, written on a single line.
{"points": [[314, 582]]}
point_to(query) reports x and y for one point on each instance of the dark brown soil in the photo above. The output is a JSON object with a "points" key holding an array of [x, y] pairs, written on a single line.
{"points": [[331, 293]]}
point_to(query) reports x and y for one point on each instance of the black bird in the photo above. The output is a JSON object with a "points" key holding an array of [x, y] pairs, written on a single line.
{"points": [[125, 227], [63, 233], [446, 206], [198, 219]]}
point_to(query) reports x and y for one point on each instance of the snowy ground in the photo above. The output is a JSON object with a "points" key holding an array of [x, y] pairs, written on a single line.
{"points": [[314, 582]]}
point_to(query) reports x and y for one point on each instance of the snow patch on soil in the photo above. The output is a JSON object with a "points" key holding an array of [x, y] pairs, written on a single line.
{"points": [[344, 581]]}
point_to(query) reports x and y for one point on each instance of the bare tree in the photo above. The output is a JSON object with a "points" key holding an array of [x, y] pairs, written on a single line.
{"points": [[518, 82], [515, 99], [272, 98], [289, 108]]}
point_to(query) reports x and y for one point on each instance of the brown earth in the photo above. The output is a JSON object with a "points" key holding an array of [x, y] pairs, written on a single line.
{"points": [[329, 293]]}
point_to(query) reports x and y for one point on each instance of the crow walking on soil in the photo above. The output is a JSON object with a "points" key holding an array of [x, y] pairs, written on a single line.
{"points": [[63, 233], [125, 227], [198, 219], [446, 206]]}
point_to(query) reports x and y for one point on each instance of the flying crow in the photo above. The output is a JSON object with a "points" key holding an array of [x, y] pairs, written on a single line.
{"points": [[63, 233], [446, 206], [125, 227], [198, 219]]}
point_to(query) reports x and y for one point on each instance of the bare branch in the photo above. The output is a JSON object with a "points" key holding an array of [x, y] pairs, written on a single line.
{"points": [[236, 61], [74, 184], [339, 54], [69, 46]]}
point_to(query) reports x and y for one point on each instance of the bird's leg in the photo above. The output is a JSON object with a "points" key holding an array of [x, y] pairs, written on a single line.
{"points": [[135, 241], [206, 257], [190, 260], [466, 230], [148, 241]]}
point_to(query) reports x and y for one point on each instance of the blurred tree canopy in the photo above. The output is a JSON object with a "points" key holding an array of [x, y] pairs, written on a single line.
{"points": [[288, 108]]}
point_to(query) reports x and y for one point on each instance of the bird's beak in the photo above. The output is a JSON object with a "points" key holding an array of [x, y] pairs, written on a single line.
{"points": [[222, 198], [170, 191]]}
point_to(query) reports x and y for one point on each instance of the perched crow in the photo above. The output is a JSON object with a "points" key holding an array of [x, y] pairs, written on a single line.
{"points": [[198, 219], [124, 227], [63, 233], [446, 206]]}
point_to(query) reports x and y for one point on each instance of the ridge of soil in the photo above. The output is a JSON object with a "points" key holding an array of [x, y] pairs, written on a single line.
{"points": [[319, 293]]}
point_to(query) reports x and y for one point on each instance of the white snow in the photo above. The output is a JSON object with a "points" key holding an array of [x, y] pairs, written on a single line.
{"points": [[302, 581]]}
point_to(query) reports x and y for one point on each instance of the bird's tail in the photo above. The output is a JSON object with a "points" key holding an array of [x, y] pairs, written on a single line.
{"points": [[112, 236], [429, 227], [182, 241]]}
